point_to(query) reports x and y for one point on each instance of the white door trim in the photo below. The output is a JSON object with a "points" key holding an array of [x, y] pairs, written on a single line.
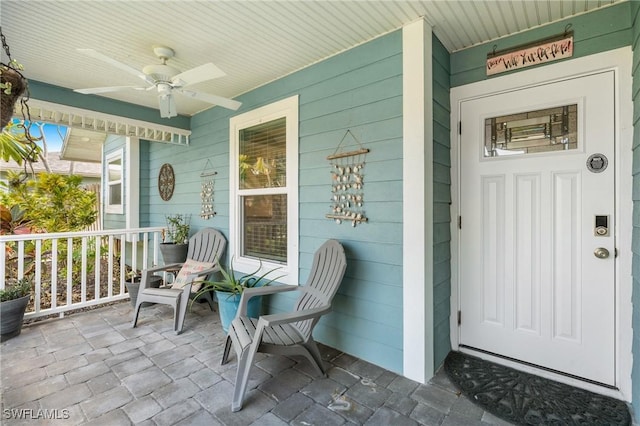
{"points": [[620, 61]]}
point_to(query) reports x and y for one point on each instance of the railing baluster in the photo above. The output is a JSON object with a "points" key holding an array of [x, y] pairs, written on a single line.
{"points": [[3, 262], [69, 271], [123, 260], [96, 274], [134, 252], [20, 259], [145, 250], [54, 273], [156, 247], [38, 276], [80, 243], [110, 266], [83, 276]]}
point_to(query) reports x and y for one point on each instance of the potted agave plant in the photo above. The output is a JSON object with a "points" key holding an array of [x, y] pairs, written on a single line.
{"points": [[175, 239], [13, 303], [228, 291]]}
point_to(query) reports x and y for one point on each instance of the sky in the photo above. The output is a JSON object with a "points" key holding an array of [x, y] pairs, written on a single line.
{"points": [[54, 141]]}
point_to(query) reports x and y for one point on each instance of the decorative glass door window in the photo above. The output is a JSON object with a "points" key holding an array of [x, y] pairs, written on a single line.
{"points": [[545, 130]]}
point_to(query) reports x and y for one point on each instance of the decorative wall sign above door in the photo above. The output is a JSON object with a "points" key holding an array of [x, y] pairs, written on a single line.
{"points": [[539, 52]]}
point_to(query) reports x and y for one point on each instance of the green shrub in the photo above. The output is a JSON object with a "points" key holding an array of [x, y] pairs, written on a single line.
{"points": [[53, 203], [17, 290]]}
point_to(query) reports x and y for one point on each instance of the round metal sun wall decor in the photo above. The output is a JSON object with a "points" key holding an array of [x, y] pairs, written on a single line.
{"points": [[166, 182]]}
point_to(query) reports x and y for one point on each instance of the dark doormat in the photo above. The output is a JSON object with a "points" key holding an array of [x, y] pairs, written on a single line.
{"points": [[526, 399]]}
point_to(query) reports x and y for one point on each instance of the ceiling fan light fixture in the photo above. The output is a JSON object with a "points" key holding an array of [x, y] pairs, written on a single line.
{"points": [[160, 72], [165, 79], [167, 105], [163, 88], [163, 52]]}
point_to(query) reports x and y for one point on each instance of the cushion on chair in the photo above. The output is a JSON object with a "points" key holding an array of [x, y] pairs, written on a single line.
{"points": [[190, 267]]}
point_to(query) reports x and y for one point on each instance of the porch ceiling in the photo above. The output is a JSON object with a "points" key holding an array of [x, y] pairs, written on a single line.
{"points": [[83, 145], [253, 42]]}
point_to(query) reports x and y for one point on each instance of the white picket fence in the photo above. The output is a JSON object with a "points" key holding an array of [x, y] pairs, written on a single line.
{"points": [[69, 269]]}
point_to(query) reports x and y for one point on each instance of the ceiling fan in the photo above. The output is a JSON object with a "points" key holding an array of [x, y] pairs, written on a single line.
{"points": [[166, 80]]}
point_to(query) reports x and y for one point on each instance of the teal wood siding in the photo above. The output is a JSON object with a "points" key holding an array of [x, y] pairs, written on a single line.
{"points": [[441, 203], [594, 32], [359, 90], [635, 374], [112, 144], [209, 141]]}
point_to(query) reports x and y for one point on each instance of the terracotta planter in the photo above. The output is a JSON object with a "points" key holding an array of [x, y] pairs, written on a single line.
{"points": [[18, 86], [11, 317]]}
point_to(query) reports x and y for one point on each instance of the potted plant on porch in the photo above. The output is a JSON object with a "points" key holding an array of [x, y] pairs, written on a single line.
{"points": [[13, 304], [175, 239], [133, 285], [229, 289]]}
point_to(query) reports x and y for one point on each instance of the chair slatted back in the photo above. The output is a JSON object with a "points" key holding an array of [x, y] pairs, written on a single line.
{"points": [[329, 265], [206, 245]]}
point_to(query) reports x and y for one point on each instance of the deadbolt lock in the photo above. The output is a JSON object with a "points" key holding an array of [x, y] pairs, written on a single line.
{"points": [[601, 226]]}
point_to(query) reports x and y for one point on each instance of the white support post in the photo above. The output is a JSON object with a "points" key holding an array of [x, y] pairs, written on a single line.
{"points": [[417, 196]]}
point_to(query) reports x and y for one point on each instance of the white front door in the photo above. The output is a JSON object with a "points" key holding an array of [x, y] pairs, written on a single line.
{"points": [[536, 284]]}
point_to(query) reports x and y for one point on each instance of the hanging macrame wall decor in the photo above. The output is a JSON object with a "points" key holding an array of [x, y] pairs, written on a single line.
{"points": [[206, 191], [347, 181]]}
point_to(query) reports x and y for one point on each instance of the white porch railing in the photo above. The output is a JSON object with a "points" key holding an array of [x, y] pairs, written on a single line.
{"points": [[74, 270]]}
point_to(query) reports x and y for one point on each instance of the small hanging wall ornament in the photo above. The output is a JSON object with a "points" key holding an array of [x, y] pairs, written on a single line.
{"points": [[347, 183], [206, 191]]}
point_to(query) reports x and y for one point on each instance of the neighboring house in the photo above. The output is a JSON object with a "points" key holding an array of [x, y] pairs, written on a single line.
{"points": [[91, 173], [403, 96]]}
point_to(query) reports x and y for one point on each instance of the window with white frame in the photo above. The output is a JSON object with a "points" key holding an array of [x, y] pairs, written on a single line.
{"points": [[264, 189], [114, 183]]}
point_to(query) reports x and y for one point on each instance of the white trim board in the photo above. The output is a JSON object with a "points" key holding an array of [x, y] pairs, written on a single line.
{"points": [[417, 200], [620, 61], [80, 118]]}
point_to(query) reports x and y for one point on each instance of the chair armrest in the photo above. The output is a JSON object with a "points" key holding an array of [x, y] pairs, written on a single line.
{"points": [[146, 273], [248, 293], [164, 267], [205, 272], [288, 317]]}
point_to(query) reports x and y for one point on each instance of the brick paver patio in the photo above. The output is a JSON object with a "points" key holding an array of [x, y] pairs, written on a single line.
{"points": [[93, 368]]}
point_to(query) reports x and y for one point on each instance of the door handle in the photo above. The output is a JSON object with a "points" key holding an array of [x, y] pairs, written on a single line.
{"points": [[601, 253]]}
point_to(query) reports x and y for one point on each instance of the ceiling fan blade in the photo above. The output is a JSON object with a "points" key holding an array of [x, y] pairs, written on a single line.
{"points": [[212, 99], [167, 105], [124, 67], [96, 90], [196, 75]]}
